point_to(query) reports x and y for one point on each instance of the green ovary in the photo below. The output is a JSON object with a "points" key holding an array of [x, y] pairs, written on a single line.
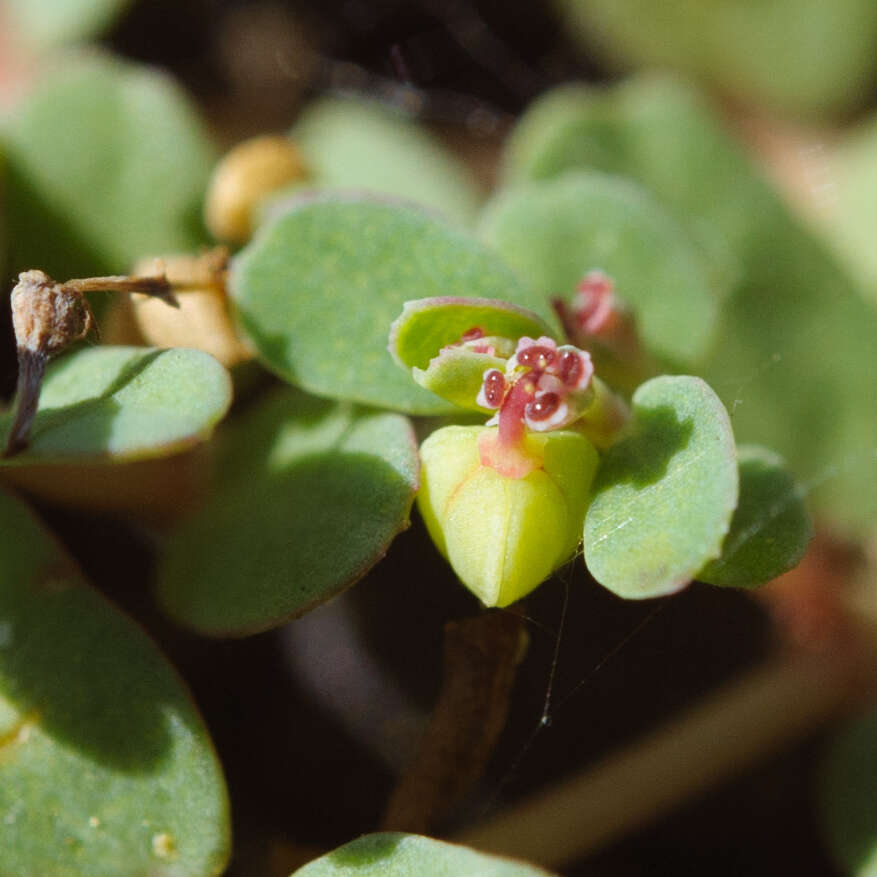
{"points": [[504, 536]]}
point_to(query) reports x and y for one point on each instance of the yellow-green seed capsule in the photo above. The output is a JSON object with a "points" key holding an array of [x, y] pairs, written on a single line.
{"points": [[503, 535]]}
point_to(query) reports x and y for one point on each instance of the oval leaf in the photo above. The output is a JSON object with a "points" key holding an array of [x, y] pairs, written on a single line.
{"points": [[107, 162], [770, 529], [360, 144], [124, 403], [849, 798], [553, 232], [317, 290], [310, 494], [664, 497], [405, 855], [105, 765]]}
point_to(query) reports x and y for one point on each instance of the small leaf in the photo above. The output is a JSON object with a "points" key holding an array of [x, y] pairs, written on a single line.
{"points": [[46, 23], [310, 494], [849, 798], [124, 403], [770, 528], [317, 290], [359, 144], [105, 766], [409, 855], [553, 232], [107, 162], [428, 324], [664, 497]]}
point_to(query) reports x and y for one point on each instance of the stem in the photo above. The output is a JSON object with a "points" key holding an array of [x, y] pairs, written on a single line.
{"points": [[31, 369], [158, 286], [750, 718], [480, 663]]}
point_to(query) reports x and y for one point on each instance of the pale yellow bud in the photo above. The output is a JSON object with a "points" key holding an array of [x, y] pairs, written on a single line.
{"points": [[247, 174]]}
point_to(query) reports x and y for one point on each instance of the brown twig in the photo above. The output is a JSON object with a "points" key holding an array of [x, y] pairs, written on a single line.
{"points": [[47, 318], [480, 659]]}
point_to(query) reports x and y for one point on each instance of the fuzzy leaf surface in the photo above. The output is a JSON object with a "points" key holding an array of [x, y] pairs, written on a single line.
{"points": [[393, 854], [106, 768], [664, 496], [317, 289], [552, 232], [124, 403], [770, 529], [309, 495], [359, 144], [107, 162]]}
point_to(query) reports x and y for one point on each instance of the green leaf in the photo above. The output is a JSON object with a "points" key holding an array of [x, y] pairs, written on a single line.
{"points": [[106, 768], [664, 496], [47, 23], [793, 56], [124, 403], [409, 855], [359, 144], [317, 290], [849, 798], [310, 494], [770, 529], [553, 232], [107, 163], [427, 325], [794, 358]]}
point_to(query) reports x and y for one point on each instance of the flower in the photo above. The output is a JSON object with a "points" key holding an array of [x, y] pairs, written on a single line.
{"points": [[544, 387]]}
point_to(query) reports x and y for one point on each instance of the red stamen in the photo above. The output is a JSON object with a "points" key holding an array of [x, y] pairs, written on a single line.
{"points": [[536, 356], [494, 387], [543, 406], [570, 368]]}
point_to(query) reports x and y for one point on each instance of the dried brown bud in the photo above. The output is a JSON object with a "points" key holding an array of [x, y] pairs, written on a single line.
{"points": [[47, 317]]}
